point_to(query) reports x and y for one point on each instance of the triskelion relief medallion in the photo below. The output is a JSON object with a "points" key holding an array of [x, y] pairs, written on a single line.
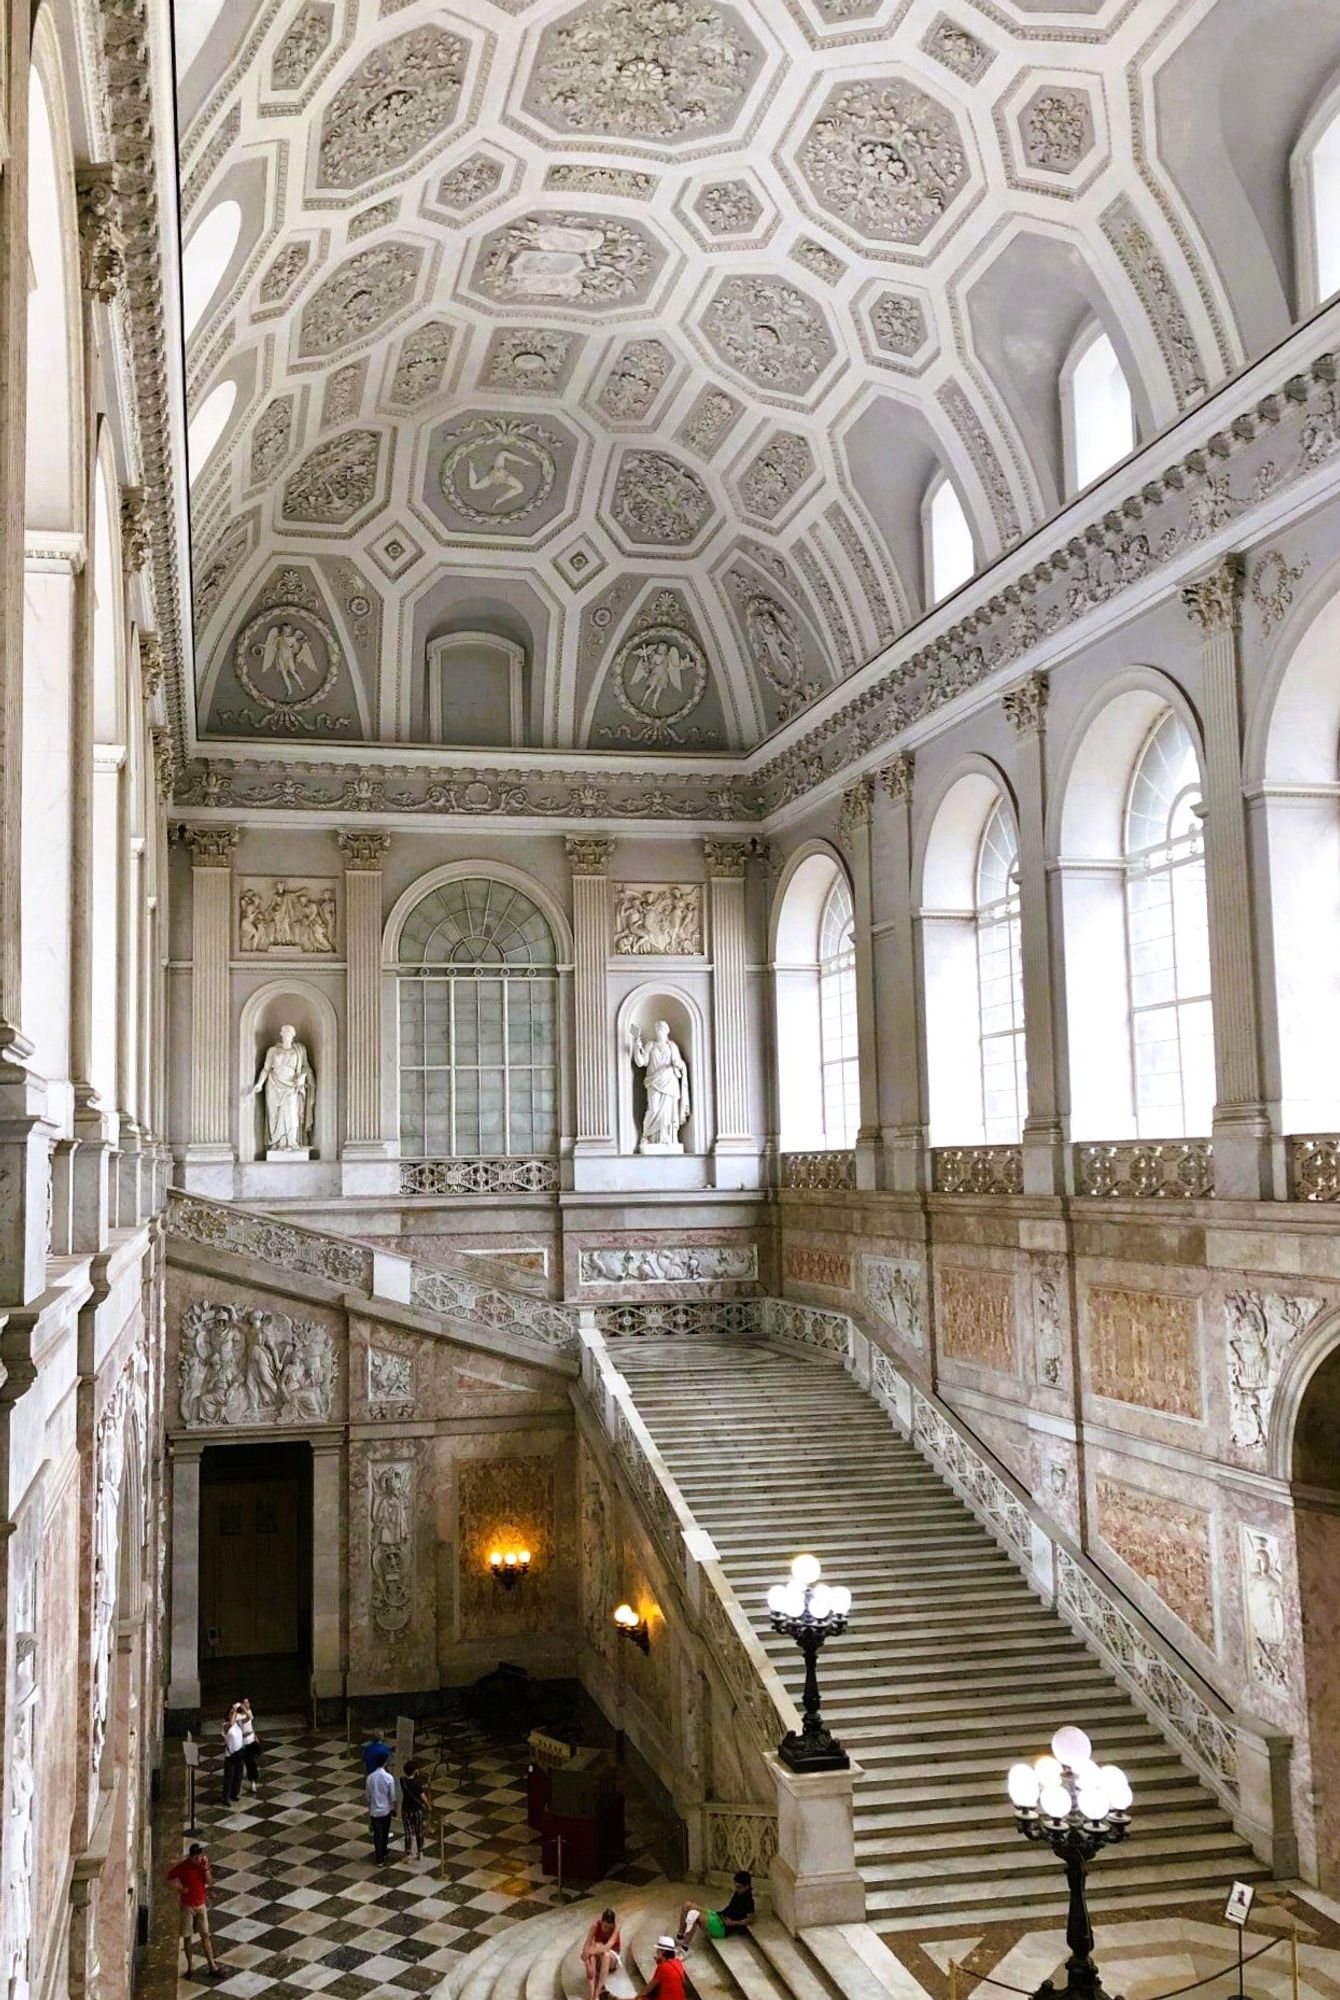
{"points": [[289, 661], [499, 469]]}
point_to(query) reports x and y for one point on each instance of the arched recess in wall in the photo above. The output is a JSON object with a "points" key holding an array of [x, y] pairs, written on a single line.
{"points": [[814, 994], [1293, 776], [301, 1004], [972, 961], [478, 951], [1303, 1448], [1126, 842], [54, 457], [659, 1000]]}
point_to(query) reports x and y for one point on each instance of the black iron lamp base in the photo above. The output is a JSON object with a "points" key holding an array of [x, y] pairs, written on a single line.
{"points": [[820, 1751], [1090, 1989]]}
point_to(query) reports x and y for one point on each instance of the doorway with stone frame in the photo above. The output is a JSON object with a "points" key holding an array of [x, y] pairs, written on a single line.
{"points": [[256, 1576], [1315, 1481]]}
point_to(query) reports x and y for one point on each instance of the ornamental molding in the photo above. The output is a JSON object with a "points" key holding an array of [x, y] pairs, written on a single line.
{"points": [[1214, 601], [898, 774], [134, 529], [364, 850], [1025, 706], [727, 860], [588, 855], [211, 846], [102, 264]]}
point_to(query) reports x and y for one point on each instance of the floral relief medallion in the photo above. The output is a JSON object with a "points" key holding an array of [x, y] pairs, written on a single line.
{"points": [[335, 481], [396, 102], [581, 260], [288, 660], [670, 69], [770, 332], [884, 158], [499, 468], [658, 500], [660, 676]]}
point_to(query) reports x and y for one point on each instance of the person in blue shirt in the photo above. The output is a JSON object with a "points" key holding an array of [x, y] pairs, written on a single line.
{"points": [[377, 1751]]}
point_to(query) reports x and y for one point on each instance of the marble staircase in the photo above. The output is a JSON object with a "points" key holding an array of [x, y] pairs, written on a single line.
{"points": [[951, 1668]]}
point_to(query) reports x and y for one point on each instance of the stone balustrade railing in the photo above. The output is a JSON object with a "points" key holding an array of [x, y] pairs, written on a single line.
{"points": [[480, 1176], [1146, 1169], [315, 1253], [828, 1172], [738, 1837], [1314, 1166], [977, 1169]]}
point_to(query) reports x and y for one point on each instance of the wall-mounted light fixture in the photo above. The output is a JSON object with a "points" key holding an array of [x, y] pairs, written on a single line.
{"points": [[627, 1622], [509, 1566]]}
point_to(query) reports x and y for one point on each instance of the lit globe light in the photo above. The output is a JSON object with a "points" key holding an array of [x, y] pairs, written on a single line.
{"points": [[777, 1599], [1055, 1802], [841, 1600], [821, 1600], [793, 1600], [1048, 1772], [1117, 1788], [1085, 1774], [1071, 1746], [805, 1570], [1022, 1786], [1092, 1801]]}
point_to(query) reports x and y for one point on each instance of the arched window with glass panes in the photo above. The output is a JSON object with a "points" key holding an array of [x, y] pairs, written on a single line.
{"points": [[1167, 937], [478, 1016], [838, 1058], [1000, 987]]}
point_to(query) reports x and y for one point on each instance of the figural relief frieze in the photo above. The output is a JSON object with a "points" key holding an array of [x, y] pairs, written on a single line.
{"points": [[591, 262], [658, 919], [776, 474], [1261, 1326], [390, 1384], [891, 1287], [336, 481], [359, 297], [670, 1264], [1267, 1630], [400, 98], [498, 472], [976, 1318], [529, 357], [679, 70], [286, 915], [302, 44], [640, 371], [657, 501], [240, 1365], [885, 158], [770, 332], [424, 354]]}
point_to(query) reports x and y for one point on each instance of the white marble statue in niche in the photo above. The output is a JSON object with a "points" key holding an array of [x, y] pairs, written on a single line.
{"points": [[290, 1097], [238, 1365], [667, 1081], [1263, 1590]]}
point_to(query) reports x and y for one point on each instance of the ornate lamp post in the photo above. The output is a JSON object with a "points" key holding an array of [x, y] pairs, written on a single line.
{"points": [[1078, 1807], [810, 1612]]}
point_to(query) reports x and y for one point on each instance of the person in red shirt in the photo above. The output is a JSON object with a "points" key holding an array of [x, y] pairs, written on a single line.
{"points": [[192, 1877], [667, 1979]]}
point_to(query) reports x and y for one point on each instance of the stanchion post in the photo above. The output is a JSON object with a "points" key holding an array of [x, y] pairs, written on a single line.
{"points": [[558, 1856], [953, 1979], [1293, 1954]]}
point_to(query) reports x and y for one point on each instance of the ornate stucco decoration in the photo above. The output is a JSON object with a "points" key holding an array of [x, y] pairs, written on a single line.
{"points": [[424, 354], [727, 860], [770, 332], [399, 99], [101, 241], [885, 158], [776, 473], [588, 854], [211, 846], [898, 775], [289, 661], [1214, 600], [293, 915], [391, 1507], [134, 530], [657, 501], [957, 48], [363, 848], [728, 208], [591, 262], [711, 416], [536, 358], [1261, 1328], [660, 672], [658, 919], [365, 291], [680, 70], [465, 186], [238, 1365], [271, 435], [1157, 293], [669, 1264], [336, 481], [898, 324], [775, 645], [304, 41], [634, 382], [1056, 126], [499, 470], [1026, 706]]}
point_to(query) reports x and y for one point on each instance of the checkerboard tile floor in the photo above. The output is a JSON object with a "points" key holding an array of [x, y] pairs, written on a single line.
{"points": [[299, 1906]]}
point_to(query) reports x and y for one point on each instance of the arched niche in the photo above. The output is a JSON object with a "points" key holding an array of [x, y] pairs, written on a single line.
{"points": [[305, 1007], [644, 1007]]}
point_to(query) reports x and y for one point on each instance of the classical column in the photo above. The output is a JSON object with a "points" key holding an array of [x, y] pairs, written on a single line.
{"points": [[1242, 1135], [364, 851], [1046, 1122], [212, 1122], [328, 1655], [183, 1695], [588, 858], [726, 863], [854, 822], [903, 1120]]}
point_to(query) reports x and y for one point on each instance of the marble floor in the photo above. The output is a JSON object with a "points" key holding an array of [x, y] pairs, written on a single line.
{"points": [[299, 1906]]}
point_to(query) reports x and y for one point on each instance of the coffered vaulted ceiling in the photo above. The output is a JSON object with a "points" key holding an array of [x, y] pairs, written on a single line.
{"points": [[603, 353]]}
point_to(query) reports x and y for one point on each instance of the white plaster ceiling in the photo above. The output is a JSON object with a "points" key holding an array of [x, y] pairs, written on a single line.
{"points": [[632, 331]]}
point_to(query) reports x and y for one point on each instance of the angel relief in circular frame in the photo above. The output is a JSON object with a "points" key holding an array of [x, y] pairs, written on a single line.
{"points": [[660, 676], [288, 661]]}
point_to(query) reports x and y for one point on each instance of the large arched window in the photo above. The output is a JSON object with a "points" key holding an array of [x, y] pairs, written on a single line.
{"points": [[837, 1018], [478, 1000], [1097, 416], [1172, 1030], [1316, 202], [814, 972], [947, 551], [1000, 989]]}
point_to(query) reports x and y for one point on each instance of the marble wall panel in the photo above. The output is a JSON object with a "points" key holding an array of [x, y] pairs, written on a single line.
{"points": [[975, 1318], [1144, 1348], [666, 1263], [391, 1565], [1167, 1543], [818, 1264], [507, 1501]]}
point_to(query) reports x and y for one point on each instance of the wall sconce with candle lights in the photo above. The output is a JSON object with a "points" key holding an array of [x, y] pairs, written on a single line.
{"points": [[509, 1566], [630, 1626]]}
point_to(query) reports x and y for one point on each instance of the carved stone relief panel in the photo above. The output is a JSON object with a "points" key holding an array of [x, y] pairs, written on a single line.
{"points": [[589, 262], [401, 97], [775, 474], [336, 482], [976, 1318], [891, 1287], [669, 1264], [390, 1384], [1167, 1544], [286, 669], [808, 1264], [292, 915], [657, 502], [601, 1583], [239, 1364], [1050, 1320], [658, 919], [675, 72], [1144, 1348], [1261, 1327], [506, 1502], [1267, 1629], [391, 1577], [393, 1566], [639, 373]]}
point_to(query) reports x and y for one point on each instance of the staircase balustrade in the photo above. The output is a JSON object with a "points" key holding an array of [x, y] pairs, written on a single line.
{"points": [[736, 1837], [1314, 1166], [500, 1175], [977, 1169], [828, 1172], [1146, 1170]]}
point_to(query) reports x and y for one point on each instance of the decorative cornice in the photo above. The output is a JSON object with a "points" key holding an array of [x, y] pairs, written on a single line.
{"points": [[165, 762], [1214, 600], [727, 859], [588, 854], [211, 846], [102, 264], [898, 773], [134, 530], [364, 849], [151, 665], [1025, 706]]}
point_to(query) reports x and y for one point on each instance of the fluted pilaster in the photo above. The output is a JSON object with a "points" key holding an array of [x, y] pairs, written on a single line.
{"points": [[211, 912], [588, 857], [364, 850], [726, 862]]}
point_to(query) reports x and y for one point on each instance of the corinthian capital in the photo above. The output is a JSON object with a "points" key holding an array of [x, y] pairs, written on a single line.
{"points": [[1025, 706], [588, 854], [857, 801], [102, 265], [897, 775], [363, 848], [1214, 600], [727, 858], [211, 846]]}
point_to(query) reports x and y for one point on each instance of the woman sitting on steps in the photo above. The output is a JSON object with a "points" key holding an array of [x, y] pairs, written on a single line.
{"points": [[600, 1953]]}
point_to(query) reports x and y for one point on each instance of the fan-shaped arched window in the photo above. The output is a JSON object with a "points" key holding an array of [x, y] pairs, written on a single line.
{"points": [[950, 559], [1098, 416], [838, 1056], [204, 259], [478, 990], [1167, 931], [207, 426], [1000, 988]]}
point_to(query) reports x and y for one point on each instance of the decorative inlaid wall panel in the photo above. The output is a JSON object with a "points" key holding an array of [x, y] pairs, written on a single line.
{"points": [[1144, 1348], [505, 1503], [976, 1318], [1167, 1544]]}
